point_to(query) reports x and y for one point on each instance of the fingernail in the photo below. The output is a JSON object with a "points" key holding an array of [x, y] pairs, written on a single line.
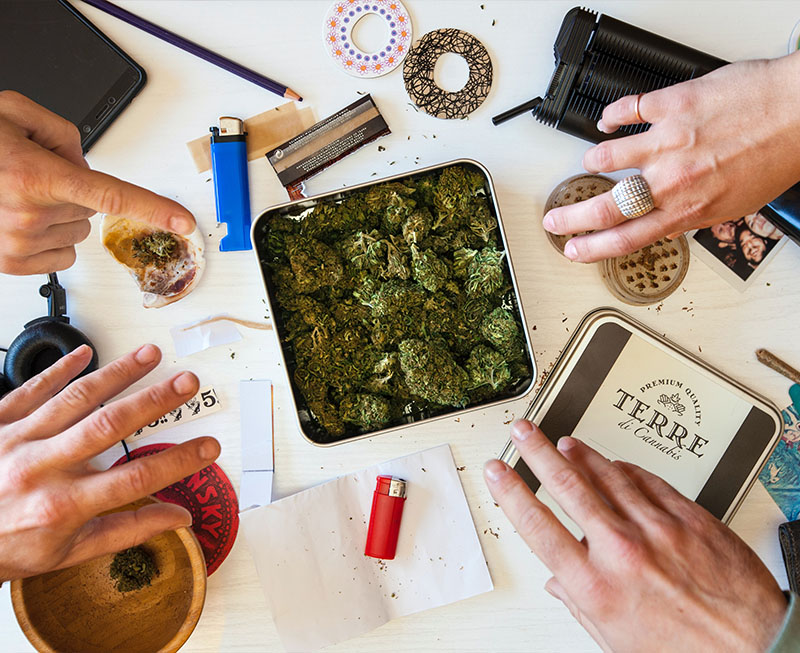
{"points": [[551, 592], [601, 125], [81, 351], [184, 383], [566, 443], [183, 523], [181, 225], [521, 430], [494, 470], [570, 251], [146, 354], [548, 222], [209, 449]]}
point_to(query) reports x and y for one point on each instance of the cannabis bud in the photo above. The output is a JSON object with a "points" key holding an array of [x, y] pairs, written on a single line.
{"points": [[432, 373], [488, 367], [430, 271], [366, 410], [485, 273], [157, 248]]}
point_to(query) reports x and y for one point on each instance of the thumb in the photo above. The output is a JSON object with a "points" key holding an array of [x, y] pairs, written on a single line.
{"points": [[106, 194], [122, 530]]}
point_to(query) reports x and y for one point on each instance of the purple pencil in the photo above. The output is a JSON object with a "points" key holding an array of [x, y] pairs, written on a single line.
{"points": [[193, 48]]}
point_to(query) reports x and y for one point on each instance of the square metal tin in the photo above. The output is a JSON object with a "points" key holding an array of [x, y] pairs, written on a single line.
{"points": [[305, 419], [622, 388]]}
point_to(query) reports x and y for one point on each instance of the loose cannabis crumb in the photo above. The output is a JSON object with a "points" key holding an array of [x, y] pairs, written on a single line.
{"points": [[132, 569], [381, 148], [158, 248]]}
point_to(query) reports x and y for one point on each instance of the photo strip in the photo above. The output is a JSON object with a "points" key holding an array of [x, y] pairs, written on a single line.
{"points": [[738, 250]]}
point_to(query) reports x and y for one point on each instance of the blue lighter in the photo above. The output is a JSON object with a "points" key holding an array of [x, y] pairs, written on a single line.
{"points": [[231, 184]]}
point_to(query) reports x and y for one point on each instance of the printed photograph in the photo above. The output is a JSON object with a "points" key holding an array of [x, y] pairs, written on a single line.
{"points": [[737, 249]]}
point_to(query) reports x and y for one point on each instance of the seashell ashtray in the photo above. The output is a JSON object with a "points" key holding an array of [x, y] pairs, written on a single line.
{"points": [[165, 266]]}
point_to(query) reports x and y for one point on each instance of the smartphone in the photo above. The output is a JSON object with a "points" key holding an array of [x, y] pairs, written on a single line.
{"points": [[56, 57]]}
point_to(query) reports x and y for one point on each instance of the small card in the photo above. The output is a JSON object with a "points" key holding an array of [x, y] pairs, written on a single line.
{"points": [[309, 552], [781, 474], [203, 403], [738, 250], [258, 458]]}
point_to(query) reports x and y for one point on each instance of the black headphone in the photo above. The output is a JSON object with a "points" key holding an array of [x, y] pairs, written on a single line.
{"points": [[44, 341]]}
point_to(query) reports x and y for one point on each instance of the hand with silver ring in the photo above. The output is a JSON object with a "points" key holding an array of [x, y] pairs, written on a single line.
{"points": [[719, 147]]}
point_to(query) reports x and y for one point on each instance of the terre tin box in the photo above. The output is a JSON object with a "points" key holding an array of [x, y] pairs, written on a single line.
{"points": [[314, 422], [632, 395]]}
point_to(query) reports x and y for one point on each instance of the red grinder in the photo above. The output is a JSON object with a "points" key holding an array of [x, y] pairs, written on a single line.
{"points": [[384, 520]]}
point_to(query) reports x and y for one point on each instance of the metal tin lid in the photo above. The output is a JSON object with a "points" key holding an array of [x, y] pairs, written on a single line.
{"points": [[648, 275], [571, 191], [633, 395]]}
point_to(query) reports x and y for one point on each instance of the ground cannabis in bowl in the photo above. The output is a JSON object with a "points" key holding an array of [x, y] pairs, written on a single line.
{"points": [[395, 301], [132, 569]]}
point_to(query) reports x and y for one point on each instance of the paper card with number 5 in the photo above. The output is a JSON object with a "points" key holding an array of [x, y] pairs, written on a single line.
{"points": [[203, 403]]}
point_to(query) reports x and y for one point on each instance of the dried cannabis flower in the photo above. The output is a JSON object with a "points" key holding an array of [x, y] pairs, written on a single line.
{"points": [[157, 248], [391, 300], [132, 569], [366, 410], [432, 373], [488, 367], [430, 271], [500, 329], [485, 272]]}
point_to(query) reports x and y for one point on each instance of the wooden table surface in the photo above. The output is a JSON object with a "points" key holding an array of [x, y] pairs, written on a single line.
{"points": [[185, 95]]}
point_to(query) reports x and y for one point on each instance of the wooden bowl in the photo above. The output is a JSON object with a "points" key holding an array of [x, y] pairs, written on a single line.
{"points": [[80, 609]]}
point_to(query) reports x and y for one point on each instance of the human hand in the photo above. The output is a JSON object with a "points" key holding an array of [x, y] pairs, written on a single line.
{"points": [[50, 496], [49, 192], [720, 146], [654, 570]]}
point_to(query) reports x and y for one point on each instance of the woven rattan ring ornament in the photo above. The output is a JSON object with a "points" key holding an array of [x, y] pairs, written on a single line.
{"points": [[418, 73]]}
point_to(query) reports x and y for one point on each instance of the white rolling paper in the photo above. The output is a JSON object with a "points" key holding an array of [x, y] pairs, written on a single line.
{"points": [[258, 460]]}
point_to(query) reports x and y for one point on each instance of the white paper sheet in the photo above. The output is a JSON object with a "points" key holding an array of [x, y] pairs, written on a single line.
{"points": [[309, 552], [189, 340], [258, 465]]}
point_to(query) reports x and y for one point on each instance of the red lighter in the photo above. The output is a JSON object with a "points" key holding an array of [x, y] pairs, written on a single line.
{"points": [[384, 520]]}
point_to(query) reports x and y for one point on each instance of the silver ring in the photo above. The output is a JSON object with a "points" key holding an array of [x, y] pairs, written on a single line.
{"points": [[633, 197]]}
